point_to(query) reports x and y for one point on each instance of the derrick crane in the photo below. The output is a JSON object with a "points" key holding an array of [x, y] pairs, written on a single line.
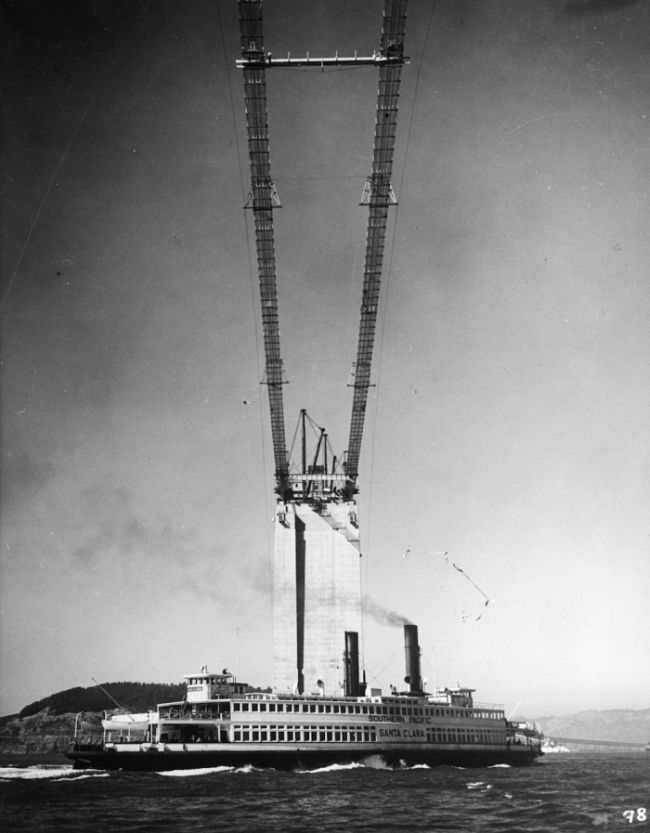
{"points": [[378, 195]]}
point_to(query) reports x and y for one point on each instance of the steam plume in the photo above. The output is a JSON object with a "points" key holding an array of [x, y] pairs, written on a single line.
{"points": [[384, 616]]}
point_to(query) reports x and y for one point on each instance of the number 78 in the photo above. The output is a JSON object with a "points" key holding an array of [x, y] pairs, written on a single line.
{"points": [[640, 815]]}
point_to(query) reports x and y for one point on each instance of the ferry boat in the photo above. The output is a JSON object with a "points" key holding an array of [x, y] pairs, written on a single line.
{"points": [[220, 723]]}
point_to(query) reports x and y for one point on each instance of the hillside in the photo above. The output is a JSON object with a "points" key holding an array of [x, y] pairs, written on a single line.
{"points": [[48, 725], [614, 724], [137, 697], [44, 733]]}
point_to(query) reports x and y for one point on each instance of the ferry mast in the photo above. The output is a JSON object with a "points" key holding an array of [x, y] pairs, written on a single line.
{"points": [[317, 538]]}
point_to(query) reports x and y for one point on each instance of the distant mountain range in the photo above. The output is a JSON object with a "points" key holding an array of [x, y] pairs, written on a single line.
{"points": [[625, 725]]}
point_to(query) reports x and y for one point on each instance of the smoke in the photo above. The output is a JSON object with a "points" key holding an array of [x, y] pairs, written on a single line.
{"points": [[384, 616]]}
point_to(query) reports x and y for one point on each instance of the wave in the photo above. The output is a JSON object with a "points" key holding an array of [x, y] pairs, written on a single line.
{"points": [[479, 785], [84, 775], [208, 770], [56, 772], [499, 766], [332, 768], [189, 773]]}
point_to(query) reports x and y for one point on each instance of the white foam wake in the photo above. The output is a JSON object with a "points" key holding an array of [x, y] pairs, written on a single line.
{"points": [[208, 770], [332, 768], [189, 773], [52, 771]]}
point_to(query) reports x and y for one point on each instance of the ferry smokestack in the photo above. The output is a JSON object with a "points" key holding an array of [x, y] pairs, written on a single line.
{"points": [[412, 652], [351, 664]]}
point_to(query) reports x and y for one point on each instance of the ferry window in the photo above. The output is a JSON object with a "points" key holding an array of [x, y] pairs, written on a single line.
{"points": [[321, 709], [236, 735], [305, 707], [357, 710], [312, 707], [329, 735], [335, 709], [244, 707], [271, 707], [262, 707], [264, 735], [256, 735], [322, 735], [254, 707], [328, 709], [337, 736], [245, 735], [289, 734], [364, 709]]}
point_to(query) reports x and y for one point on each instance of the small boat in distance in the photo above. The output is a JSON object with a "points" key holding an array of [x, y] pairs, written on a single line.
{"points": [[549, 747], [221, 723]]}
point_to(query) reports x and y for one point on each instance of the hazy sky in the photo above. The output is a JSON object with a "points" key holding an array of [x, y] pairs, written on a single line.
{"points": [[509, 425]]}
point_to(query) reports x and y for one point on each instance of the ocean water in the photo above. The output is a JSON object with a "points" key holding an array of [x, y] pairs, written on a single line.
{"points": [[560, 794]]}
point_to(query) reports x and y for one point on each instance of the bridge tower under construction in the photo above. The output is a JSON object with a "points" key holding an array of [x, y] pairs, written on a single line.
{"points": [[316, 563]]}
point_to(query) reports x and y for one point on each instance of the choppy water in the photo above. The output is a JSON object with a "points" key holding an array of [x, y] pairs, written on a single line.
{"points": [[563, 793]]}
